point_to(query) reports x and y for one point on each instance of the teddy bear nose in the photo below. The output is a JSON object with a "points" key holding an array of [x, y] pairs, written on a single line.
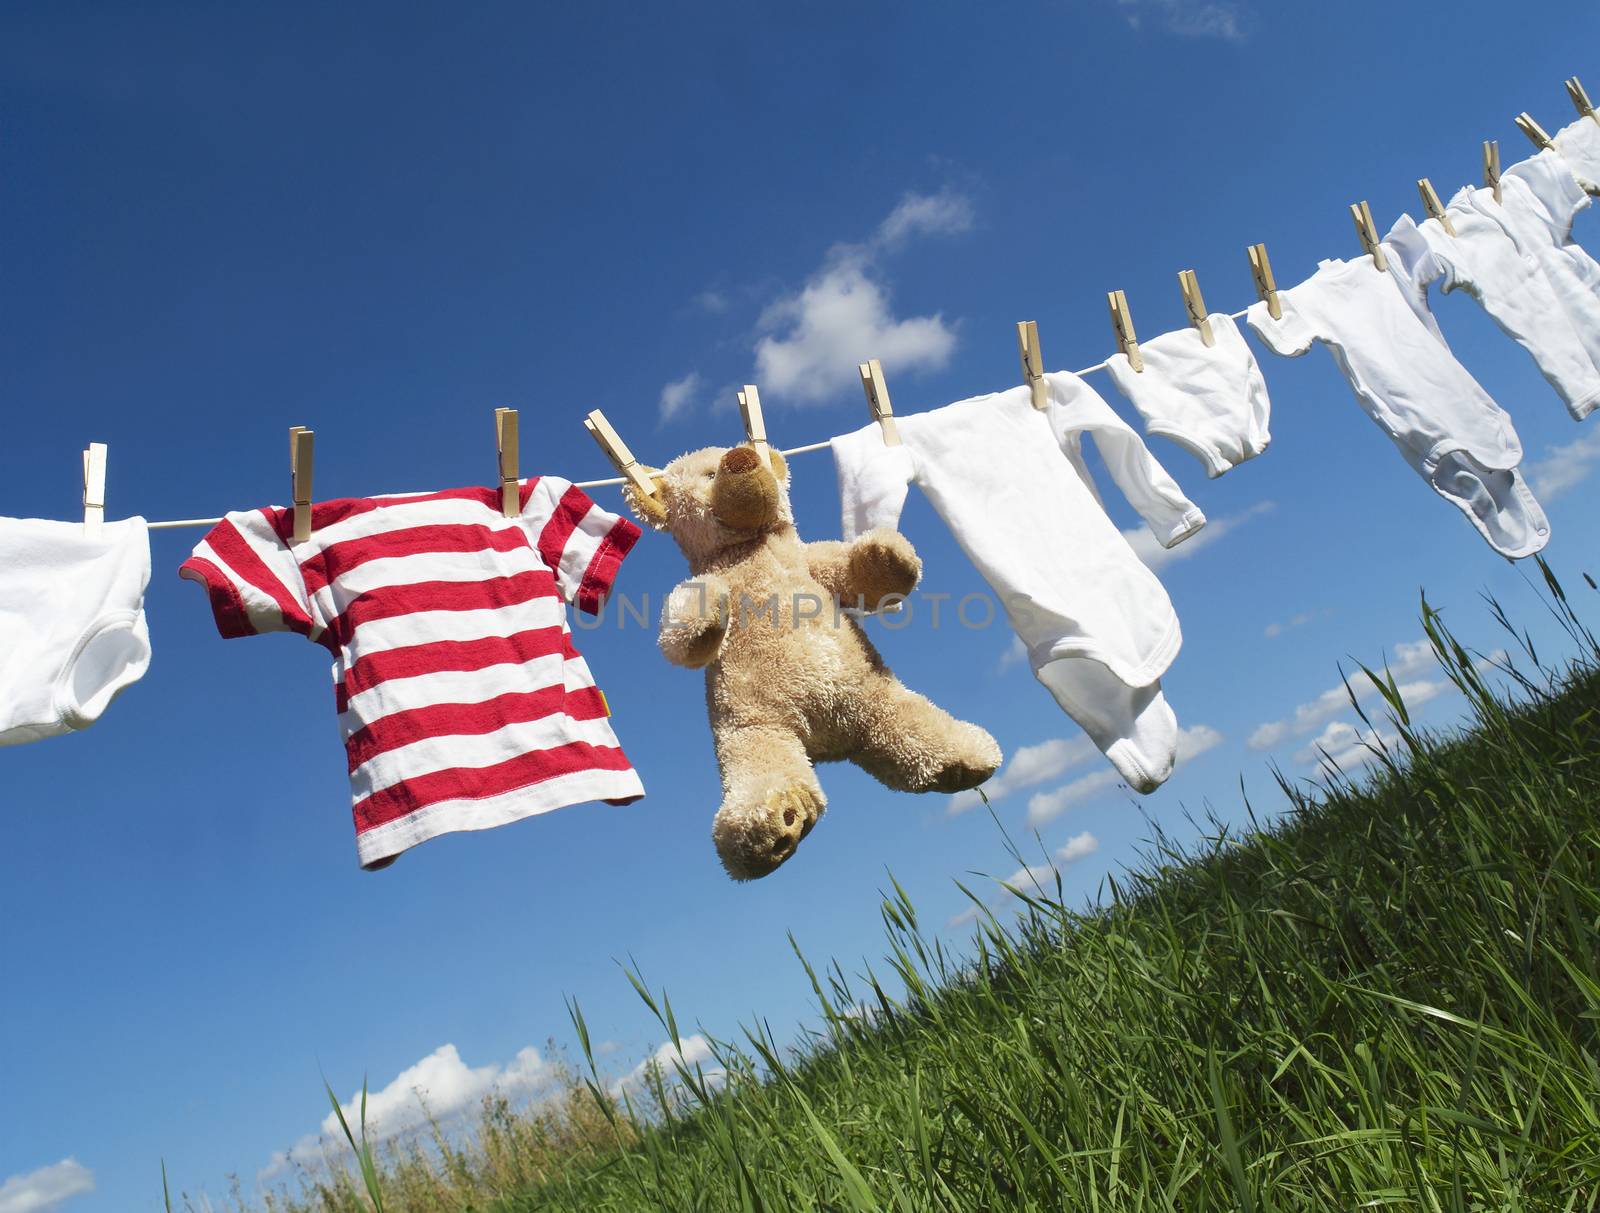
{"points": [[740, 459]]}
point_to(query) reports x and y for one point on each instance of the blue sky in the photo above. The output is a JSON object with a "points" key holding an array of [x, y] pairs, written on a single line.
{"points": [[384, 225]]}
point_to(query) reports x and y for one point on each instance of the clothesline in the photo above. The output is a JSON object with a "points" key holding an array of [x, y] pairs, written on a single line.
{"points": [[616, 480]]}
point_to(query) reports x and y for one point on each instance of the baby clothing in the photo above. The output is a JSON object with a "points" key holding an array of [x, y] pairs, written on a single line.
{"points": [[1483, 260], [1579, 145], [1539, 200], [1012, 484], [462, 701], [72, 627], [1442, 422], [1209, 399]]}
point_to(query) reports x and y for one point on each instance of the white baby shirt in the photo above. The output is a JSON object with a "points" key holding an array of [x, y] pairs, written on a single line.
{"points": [[1011, 483], [1482, 259], [1539, 200], [1579, 145], [72, 627], [1442, 422], [1209, 399]]}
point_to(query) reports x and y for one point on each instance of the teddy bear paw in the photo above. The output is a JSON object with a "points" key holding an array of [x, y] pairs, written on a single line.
{"points": [[883, 563], [755, 837], [976, 759]]}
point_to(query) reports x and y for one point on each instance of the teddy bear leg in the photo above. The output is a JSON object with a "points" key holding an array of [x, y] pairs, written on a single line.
{"points": [[771, 799], [912, 745]]}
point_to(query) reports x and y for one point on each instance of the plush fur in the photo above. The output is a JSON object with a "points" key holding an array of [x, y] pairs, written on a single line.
{"points": [[800, 684]]}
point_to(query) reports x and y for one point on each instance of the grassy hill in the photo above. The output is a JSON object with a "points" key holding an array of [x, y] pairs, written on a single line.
{"points": [[1388, 999]]}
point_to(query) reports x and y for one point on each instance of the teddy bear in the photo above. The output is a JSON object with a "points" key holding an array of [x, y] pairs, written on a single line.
{"points": [[791, 677]]}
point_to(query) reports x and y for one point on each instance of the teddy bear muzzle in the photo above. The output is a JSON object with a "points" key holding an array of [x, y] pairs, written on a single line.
{"points": [[745, 494]]}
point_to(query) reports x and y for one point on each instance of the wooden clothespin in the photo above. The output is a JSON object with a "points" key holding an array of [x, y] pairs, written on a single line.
{"points": [[1536, 134], [1431, 204], [1266, 284], [1580, 99], [1032, 362], [302, 443], [878, 401], [1491, 166], [755, 426], [506, 444], [94, 488], [617, 451], [1195, 304], [1367, 230], [1122, 324]]}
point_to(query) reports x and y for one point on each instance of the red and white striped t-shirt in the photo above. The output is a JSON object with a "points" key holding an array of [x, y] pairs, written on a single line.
{"points": [[462, 701]]}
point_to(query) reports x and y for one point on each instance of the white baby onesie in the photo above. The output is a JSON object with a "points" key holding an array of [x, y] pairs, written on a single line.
{"points": [[1441, 421], [1579, 145], [1483, 260], [1011, 483], [1209, 399], [72, 628], [1539, 200]]}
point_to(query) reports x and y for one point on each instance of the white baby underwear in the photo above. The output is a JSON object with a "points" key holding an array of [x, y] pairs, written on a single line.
{"points": [[1011, 483], [1209, 399], [72, 627], [1439, 418]]}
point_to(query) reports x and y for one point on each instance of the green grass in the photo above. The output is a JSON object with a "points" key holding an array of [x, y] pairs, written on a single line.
{"points": [[1389, 998]]}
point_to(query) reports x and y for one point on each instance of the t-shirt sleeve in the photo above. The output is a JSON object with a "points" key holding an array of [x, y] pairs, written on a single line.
{"points": [[252, 576], [1290, 336], [582, 544], [873, 481]]}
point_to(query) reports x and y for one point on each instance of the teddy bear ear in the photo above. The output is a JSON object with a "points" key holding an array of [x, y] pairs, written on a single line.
{"points": [[780, 465], [648, 508]]}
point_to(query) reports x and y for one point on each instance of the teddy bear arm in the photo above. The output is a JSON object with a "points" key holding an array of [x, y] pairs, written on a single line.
{"points": [[694, 622], [878, 565]]}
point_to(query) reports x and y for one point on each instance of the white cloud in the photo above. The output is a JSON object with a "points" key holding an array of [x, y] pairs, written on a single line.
{"points": [[1345, 746], [1564, 467], [1016, 653], [1031, 764], [839, 318], [696, 1051], [1273, 630], [607, 1047], [1187, 18], [1042, 875], [946, 213], [1410, 659], [47, 1189], [679, 394], [1079, 846], [813, 338], [440, 1086], [1037, 877], [1047, 806], [714, 302], [1156, 557]]}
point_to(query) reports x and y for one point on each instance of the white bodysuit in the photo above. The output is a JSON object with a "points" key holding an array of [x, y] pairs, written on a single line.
{"points": [[72, 627], [1482, 259], [1011, 483], [1539, 200], [1579, 145], [1442, 422], [1209, 399]]}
